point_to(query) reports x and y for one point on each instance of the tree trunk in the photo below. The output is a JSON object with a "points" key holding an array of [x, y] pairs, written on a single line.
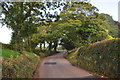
{"points": [[44, 45], [40, 46], [55, 46], [50, 46], [19, 42]]}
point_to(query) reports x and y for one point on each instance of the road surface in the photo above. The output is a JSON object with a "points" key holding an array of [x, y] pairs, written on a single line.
{"points": [[57, 67]]}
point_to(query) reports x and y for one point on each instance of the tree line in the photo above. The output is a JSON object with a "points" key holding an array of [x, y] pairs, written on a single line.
{"points": [[70, 24]]}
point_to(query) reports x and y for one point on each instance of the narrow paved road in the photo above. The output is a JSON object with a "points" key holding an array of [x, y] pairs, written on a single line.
{"points": [[57, 67]]}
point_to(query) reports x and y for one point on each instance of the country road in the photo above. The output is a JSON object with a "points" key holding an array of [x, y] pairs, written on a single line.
{"points": [[57, 67]]}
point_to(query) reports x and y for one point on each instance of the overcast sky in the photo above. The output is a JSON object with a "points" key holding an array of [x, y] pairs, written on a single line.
{"points": [[105, 6]]}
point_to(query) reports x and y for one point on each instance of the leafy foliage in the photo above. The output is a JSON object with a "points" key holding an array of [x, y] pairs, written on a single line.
{"points": [[39, 25], [113, 27]]}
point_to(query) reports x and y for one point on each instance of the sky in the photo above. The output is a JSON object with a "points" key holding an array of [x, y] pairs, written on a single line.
{"points": [[105, 6]]}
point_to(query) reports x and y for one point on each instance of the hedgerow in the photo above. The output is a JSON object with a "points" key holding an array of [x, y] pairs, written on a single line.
{"points": [[16, 65], [100, 57], [21, 66]]}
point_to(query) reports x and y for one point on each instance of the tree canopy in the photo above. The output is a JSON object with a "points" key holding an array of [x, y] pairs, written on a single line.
{"points": [[70, 24]]}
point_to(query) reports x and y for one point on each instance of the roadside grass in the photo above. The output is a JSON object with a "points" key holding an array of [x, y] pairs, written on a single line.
{"points": [[29, 53], [7, 53]]}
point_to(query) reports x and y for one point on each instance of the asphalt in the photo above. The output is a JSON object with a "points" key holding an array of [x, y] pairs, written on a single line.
{"points": [[57, 66]]}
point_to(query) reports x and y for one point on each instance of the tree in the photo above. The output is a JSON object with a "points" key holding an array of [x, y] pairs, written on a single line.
{"points": [[91, 31], [24, 18], [78, 23], [70, 21], [21, 18], [112, 27], [74, 25]]}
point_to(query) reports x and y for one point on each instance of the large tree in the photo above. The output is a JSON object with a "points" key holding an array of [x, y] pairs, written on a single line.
{"points": [[21, 18], [24, 18], [79, 24]]}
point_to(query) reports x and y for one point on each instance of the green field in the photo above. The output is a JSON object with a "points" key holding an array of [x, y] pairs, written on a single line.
{"points": [[7, 53]]}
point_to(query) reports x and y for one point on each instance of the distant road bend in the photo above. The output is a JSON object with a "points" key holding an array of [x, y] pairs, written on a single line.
{"points": [[57, 67]]}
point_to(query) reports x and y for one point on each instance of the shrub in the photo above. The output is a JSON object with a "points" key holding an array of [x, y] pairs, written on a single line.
{"points": [[8, 46], [48, 52]]}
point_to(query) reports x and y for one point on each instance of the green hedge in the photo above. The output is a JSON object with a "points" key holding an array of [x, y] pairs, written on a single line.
{"points": [[21, 66], [100, 57], [8, 46]]}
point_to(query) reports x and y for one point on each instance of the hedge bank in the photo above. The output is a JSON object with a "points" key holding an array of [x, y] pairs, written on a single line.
{"points": [[101, 57], [15, 65]]}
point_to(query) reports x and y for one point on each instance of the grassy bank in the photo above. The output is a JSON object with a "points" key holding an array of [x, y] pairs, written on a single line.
{"points": [[15, 65], [100, 57]]}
